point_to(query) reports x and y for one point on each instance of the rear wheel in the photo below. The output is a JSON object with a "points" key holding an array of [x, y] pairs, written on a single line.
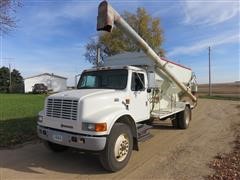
{"points": [[183, 118], [118, 148], [55, 147], [175, 123]]}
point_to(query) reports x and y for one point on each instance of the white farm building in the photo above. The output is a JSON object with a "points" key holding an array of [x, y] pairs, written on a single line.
{"points": [[54, 82]]}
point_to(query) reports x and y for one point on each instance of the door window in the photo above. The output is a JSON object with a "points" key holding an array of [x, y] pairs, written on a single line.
{"points": [[138, 83]]}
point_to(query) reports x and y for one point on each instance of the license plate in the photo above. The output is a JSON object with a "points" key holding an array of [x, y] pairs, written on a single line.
{"points": [[57, 138]]}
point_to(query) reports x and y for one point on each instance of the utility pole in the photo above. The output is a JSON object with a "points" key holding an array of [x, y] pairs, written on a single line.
{"points": [[98, 57], [10, 79], [9, 68], [209, 73]]}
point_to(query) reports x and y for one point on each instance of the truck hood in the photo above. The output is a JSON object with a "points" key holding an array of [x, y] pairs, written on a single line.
{"points": [[82, 93], [94, 105]]}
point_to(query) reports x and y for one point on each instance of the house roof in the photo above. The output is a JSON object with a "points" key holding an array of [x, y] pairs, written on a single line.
{"points": [[47, 74]]}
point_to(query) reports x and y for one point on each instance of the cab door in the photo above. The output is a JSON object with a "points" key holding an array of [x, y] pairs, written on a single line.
{"points": [[139, 105]]}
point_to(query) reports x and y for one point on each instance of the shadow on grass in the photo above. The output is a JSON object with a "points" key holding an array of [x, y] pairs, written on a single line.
{"points": [[17, 131]]}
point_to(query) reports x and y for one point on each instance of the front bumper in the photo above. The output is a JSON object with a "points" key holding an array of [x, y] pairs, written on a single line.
{"points": [[92, 143]]}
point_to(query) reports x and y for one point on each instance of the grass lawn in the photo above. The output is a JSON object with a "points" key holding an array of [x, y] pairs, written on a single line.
{"points": [[18, 115]]}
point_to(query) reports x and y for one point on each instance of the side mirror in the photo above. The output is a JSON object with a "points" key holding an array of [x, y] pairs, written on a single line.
{"points": [[149, 90]]}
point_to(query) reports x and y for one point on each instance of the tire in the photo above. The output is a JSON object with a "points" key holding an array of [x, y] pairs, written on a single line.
{"points": [[55, 147], [183, 118], [175, 123], [113, 158]]}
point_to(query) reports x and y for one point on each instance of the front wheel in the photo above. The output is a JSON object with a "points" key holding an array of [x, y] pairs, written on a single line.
{"points": [[118, 148]]}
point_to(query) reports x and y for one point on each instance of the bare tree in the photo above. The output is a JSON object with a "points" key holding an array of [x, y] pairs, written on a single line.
{"points": [[7, 15]]}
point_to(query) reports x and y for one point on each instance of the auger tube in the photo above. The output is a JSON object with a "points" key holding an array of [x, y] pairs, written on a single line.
{"points": [[108, 17]]}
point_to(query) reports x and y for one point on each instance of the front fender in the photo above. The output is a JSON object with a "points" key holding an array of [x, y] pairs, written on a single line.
{"points": [[117, 116], [110, 117]]}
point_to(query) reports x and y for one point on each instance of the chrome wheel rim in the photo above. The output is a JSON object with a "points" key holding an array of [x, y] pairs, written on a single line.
{"points": [[121, 148]]}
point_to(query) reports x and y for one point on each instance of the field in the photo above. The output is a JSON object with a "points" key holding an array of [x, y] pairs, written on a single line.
{"points": [[221, 89], [18, 114]]}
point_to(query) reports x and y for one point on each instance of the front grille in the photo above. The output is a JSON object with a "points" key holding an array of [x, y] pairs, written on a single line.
{"points": [[62, 108]]}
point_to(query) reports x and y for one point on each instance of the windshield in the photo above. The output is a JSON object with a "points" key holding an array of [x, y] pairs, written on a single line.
{"points": [[104, 79]]}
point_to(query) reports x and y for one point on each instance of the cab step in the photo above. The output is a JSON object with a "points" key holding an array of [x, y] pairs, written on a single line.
{"points": [[143, 132]]}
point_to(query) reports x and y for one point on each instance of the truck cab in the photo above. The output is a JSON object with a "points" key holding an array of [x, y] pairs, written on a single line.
{"points": [[84, 118]]}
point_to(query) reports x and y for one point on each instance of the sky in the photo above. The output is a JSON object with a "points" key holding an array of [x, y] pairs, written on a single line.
{"points": [[52, 34]]}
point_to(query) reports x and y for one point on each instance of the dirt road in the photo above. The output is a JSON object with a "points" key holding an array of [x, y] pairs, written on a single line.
{"points": [[170, 154]]}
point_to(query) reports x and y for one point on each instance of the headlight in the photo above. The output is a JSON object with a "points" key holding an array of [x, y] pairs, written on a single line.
{"points": [[97, 127], [91, 127], [40, 118]]}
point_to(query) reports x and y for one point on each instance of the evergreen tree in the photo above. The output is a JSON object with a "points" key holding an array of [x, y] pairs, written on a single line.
{"points": [[17, 84]]}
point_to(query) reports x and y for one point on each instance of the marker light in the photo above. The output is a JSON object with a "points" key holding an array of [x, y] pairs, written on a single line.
{"points": [[100, 127], [97, 127]]}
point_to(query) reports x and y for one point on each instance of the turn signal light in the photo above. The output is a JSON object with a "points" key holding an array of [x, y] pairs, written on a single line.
{"points": [[100, 127]]}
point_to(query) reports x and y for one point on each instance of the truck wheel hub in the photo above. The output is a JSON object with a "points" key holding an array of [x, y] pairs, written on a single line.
{"points": [[121, 147]]}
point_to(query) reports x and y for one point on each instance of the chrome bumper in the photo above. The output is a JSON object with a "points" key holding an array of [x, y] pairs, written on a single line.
{"points": [[71, 139]]}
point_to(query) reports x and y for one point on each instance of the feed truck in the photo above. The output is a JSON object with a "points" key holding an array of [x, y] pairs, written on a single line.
{"points": [[109, 112]]}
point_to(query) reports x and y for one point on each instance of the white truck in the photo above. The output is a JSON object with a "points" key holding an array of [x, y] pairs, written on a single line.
{"points": [[108, 111]]}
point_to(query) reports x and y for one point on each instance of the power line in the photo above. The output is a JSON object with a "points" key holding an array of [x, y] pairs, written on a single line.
{"points": [[6, 60]]}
